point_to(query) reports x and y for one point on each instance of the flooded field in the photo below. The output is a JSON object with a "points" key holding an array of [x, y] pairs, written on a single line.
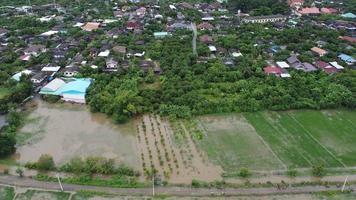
{"points": [[65, 131]]}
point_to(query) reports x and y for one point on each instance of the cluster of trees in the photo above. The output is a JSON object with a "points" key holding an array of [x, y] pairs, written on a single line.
{"points": [[258, 7], [8, 133]]}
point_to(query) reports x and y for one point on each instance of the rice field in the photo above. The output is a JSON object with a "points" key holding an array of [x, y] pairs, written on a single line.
{"points": [[279, 140]]}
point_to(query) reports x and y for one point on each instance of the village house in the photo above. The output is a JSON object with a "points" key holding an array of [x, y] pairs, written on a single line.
{"points": [[91, 26], [347, 59], [318, 51], [71, 70], [111, 64], [329, 11], [264, 19], [38, 78], [160, 35], [119, 49], [295, 3], [348, 38], [3, 32], [35, 50], [132, 25], [72, 91], [327, 68], [206, 39], [205, 26], [309, 11], [273, 70]]}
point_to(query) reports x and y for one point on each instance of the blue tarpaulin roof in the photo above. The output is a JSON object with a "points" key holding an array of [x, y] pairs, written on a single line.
{"points": [[78, 87], [346, 58], [349, 15]]}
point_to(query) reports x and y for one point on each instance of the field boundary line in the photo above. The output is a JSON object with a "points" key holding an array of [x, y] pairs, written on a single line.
{"points": [[291, 137], [266, 144], [317, 141]]}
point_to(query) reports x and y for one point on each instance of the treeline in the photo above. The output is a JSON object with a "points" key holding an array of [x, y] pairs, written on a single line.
{"points": [[19, 92]]}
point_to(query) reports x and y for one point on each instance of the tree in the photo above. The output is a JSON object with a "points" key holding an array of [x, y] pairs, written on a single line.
{"points": [[19, 171], [7, 145], [45, 162]]}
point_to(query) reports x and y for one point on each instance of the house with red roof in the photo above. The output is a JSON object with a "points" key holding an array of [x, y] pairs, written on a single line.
{"points": [[326, 67], [347, 38], [131, 25], [273, 70], [310, 11], [328, 10]]}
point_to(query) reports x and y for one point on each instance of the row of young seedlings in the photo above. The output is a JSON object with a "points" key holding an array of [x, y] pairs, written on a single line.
{"points": [[160, 140], [182, 138]]}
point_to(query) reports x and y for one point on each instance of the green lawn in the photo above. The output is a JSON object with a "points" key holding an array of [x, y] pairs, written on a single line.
{"points": [[276, 140], [233, 143]]}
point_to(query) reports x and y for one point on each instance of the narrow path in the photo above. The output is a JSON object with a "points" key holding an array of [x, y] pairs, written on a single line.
{"points": [[176, 191], [194, 42]]}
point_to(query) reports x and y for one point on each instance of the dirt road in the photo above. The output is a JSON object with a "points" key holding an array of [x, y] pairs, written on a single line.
{"points": [[176, 191]]}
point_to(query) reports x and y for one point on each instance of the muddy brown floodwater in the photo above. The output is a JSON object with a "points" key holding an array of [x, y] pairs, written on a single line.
{"points": [[65, 131]]}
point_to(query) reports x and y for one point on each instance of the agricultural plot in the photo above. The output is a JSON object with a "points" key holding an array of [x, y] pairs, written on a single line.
{"points": [[305, 138], [175, 163], [267, 141], [232, 142]]}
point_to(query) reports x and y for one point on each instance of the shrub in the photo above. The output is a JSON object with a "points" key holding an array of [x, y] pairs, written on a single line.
{"points": [[318, 170], [45, 162], [244, 173]]}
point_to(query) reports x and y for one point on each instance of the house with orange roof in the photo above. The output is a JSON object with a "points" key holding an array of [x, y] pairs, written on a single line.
{"points": [[91, 26]]}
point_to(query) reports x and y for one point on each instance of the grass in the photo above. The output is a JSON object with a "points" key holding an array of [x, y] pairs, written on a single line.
{"points": [[36, 195], [7, 193], [115, 181], [232, 143], [4, 92], [267, 141]]}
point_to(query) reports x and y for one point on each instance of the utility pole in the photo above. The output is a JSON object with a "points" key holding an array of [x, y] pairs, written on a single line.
{"points": [[59, 181], [153, 185], [343, 187]]}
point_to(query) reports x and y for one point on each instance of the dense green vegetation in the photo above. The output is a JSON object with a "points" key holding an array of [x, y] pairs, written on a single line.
{"points": [[8, 134], [188, 87]]}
